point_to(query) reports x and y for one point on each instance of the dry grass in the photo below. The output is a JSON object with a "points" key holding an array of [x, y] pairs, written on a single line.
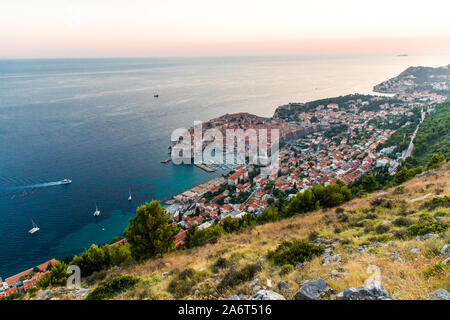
{"points": [[404, 279]]}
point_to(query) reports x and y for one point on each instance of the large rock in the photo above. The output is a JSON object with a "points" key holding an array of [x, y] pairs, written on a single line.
{"points": [[374, 291], [313, 290], [439, 294], [267, 295], [445, 249]]}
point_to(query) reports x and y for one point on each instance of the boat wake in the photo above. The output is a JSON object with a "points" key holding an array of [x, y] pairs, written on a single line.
{"points": [[34, 186]]}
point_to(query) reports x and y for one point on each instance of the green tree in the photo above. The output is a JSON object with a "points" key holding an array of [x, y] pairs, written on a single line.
{"points": [[56, 277], [435, 161], [149, 233], [369, 183]]}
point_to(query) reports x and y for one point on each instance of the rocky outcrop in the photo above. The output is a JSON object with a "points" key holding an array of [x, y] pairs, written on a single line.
{"points": [[313, 290], [267, 295], [445, 249], [374, 291], [439, 294]]}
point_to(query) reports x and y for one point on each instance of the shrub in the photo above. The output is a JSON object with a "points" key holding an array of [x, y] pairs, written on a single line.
{"points": [[403, 222], [383, 238], [286, 269], [427, 225], [313, 235], [294, 252], [371, 216], [339, 210], [441, 213], [337, 229], [183, 283], [112, 287], [236, 277], [221, 263], [400, 234], [437, 202], [433, 246], [382, 228], [435, 270], [32, 291], [400, 189]]}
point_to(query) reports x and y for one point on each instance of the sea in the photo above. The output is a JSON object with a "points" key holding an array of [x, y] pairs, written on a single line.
{"points": [[97, 122]]}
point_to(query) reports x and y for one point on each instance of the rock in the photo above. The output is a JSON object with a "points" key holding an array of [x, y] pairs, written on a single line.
{"points": [[334, 273], [414, 250], [340, 296], [269, 283], [374, 291], [243, 296], [446, 261], [313, 290], [254, 282], [164, 274], [43, 294], [439, 294], [392, 244], [283, 285], [380, 194], [425, 237], [233, 297], [423, 197], [329, 258], [337, 258], [82, 291], [256, 288], [394, 256], [267, 295], [445, 249]]}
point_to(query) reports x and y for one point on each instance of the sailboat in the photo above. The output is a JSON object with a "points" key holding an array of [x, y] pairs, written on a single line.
{"points": [[34, 229], [97, 212], [129, 195]]}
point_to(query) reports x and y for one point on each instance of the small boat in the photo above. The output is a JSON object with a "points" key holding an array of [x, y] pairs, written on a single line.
{"points": [[34, 229], [66, 181], [156, 96], [97, 212], [129, 195]]}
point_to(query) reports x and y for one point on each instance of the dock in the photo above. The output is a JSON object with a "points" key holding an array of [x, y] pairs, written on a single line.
{"points": [[203, 167], [166, 160]]}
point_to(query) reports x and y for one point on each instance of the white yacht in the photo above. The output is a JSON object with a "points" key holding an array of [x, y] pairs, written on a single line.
{"points": [[97, 212], [129, 195], [66, 181], [34, 229]]}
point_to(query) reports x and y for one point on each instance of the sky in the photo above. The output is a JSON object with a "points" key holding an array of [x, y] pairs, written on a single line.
{"points": [[139, 28]]}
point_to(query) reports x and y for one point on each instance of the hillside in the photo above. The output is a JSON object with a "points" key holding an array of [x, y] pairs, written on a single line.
{"points": [[418, 79], [433, 135], [396, 237]]}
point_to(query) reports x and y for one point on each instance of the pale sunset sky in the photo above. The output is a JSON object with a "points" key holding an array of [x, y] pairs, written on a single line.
{"points": [[138, 28]]}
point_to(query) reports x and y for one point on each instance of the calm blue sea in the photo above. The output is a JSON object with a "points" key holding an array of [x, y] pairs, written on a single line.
{"points": [[96, 122]]}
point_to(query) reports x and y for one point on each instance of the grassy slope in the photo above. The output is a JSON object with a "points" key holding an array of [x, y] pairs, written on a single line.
{"points": [[404, 279]]}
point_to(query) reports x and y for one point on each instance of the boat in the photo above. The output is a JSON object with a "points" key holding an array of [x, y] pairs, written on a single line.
{"points": [[34, 229], [129, 195], [97, 212], [66, 181]]}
